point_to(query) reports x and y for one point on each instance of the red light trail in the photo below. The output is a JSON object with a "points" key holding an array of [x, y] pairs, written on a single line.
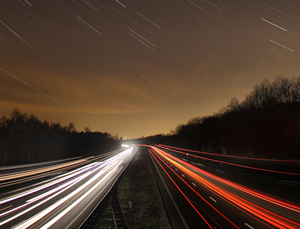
{"points": [[238, 165], [266, 211]]}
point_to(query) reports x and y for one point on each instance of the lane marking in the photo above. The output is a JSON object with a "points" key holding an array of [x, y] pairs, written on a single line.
{"points": [[213, 199], [183, 175], [194, 184], [249, 226], [178, 211]]}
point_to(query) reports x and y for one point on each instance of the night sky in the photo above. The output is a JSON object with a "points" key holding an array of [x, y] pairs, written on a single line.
{"points": [[137, 67]]}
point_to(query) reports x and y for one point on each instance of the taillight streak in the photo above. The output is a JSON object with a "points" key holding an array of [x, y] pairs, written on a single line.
{"points": [[256, 210], [182, 192], [233, 164], [202, 197], [257, 194], [223, 155]]}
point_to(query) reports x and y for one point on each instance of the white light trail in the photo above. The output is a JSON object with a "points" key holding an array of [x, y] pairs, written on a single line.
{"points": [[195, 5], [90, 5], [89, 26], [36, 27], [40, 215], [56, 191], [152, 82], [213, 199], [209, 29], [107, 163], [274, 24], [68, 184], [148, 20], [28, 3], [249, 226], [281, 45], [31, 191], [12, 210], [39, 90], [142, 37], [279, 54], [121, 4], [235, 14], [133, 21], [3, 39], [16, 34], [29, 209], [142, 42], [22, 225], [277, 10], [192, 67], [55, 219], [213, 5]]}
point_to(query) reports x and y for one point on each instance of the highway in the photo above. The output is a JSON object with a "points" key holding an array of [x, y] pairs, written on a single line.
{"points": [[206, 200], [66, 199]]}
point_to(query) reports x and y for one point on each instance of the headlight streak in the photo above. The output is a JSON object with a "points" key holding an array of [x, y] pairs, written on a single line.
{"points": [[243, 166], [17, 175], [254, 209], [28, 202], [40, 203], [56, 218], [109, 163], [46, 211], [64, 177], [12, 210], [68, 185], [38, 175], [29, 209], [40, 215], [183, 194], [9, 167]]}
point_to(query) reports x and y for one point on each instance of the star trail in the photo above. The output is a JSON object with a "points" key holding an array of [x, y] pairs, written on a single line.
{"points": [[138, 68]]}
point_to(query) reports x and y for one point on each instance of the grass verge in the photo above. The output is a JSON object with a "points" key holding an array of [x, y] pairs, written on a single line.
{"points": [[139, 186], [106, 219]]}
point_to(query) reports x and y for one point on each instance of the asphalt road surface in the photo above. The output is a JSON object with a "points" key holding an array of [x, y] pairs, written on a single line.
{"points": [[202, 199]]}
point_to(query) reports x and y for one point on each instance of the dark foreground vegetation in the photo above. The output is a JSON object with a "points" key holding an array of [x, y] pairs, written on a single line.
{"points": [[26, 139], [265, 124]]}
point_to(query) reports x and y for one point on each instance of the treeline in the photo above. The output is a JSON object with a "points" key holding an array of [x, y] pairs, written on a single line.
{"points": [[26, 139], [265, 124]]}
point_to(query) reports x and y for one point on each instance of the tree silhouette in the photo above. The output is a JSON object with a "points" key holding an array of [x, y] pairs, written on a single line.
{"points": [[26, 139], [87, 129], [265, 123]]}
